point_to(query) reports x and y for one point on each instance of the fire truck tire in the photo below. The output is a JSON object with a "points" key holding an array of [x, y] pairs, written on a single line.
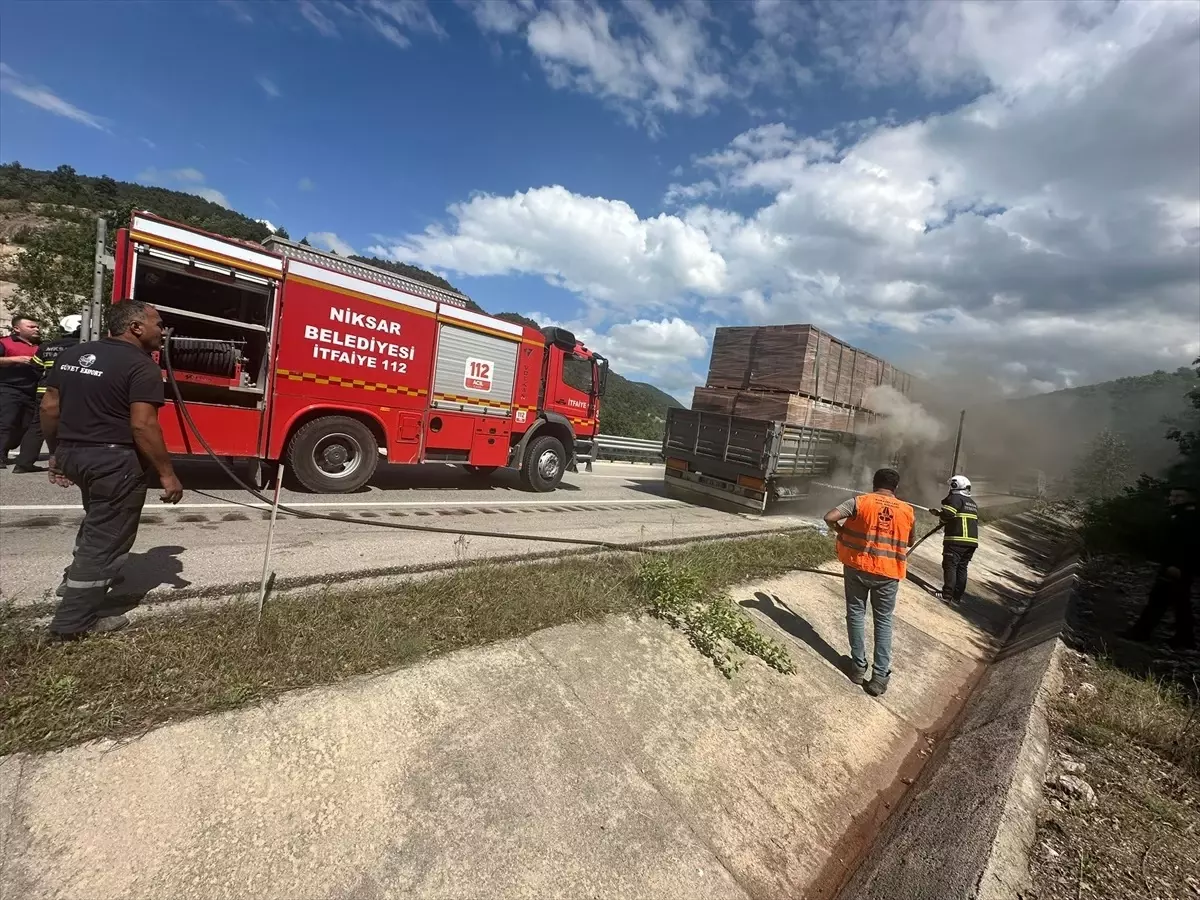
{"points": [[333, 455], [545, 463]]}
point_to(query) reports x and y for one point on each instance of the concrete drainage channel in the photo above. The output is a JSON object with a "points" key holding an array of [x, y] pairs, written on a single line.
{"points": [[967, 825]]}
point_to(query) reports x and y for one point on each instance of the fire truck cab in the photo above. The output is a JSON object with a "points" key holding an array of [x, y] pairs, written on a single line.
{"points": [[283, 353]]}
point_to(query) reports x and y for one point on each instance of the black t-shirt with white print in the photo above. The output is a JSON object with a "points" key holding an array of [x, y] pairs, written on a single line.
{"points": [[96, 382]]}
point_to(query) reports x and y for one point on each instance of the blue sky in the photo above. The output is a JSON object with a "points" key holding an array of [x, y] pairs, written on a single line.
{"points": [[644, 173]]}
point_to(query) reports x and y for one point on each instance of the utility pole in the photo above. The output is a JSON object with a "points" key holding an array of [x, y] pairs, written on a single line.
{"points": [[958, 442], [93, 313]]}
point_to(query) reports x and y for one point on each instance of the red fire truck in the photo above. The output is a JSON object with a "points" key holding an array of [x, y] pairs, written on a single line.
{"points": [[285, 353]]}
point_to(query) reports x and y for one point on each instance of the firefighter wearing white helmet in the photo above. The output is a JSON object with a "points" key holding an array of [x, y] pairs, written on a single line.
{"points": [[959, 514], [31, 444]]}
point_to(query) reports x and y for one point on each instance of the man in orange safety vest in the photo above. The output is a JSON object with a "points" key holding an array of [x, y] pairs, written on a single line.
{"points": [[874, 532]]}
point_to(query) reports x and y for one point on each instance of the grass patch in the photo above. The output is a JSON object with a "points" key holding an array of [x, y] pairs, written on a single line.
{"points": [[1156, 713], [174, 666], [1134, 740]]}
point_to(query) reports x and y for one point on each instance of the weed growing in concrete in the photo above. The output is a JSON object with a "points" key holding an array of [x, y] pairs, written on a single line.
{"points": [[712, 623]]}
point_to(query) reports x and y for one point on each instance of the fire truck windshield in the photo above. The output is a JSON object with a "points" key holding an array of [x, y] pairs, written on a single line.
{"points": [[577, 372]]}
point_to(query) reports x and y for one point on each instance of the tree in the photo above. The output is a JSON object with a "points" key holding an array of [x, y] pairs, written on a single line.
{"points": [[1105, 469], [54, 273], [65, 181], [1187, 469], [106, 191], [282, 233]]}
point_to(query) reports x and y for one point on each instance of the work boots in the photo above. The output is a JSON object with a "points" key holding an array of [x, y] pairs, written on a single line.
{"points": [[877, 685]]}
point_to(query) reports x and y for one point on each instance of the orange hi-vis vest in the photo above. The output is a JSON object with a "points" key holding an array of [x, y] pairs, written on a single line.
{"points": [[876, 538]]}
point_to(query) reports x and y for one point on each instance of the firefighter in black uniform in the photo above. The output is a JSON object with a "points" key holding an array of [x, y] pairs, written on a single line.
{"points": [[43, 361], [959, 514], [100, 418]]}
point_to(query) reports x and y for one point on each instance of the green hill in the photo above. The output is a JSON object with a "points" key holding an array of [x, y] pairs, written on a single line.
{"points": [[51, 214]]}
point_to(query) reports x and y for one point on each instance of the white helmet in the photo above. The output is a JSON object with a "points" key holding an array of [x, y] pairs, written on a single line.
{"points": [[71, 323], [960, 483]]}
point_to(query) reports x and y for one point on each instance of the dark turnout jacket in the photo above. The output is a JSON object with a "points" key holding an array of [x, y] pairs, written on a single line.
{"points": [[960, 517]]}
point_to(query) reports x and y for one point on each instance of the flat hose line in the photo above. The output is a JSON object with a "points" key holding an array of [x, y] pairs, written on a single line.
{"points": [[398, 526]]}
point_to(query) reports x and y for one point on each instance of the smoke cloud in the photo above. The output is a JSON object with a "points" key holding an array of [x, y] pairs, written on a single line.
{"points": [[903, 425], [906, 435]]}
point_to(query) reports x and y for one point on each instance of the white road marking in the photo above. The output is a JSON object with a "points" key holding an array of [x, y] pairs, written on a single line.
{"points": [[150, 507]]}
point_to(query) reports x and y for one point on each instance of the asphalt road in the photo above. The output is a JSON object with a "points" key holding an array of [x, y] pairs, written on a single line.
{"points": [[212, 543], [209, 545]]}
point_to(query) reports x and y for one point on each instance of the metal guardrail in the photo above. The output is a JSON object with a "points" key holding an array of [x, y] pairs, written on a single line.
{"points": [[611, 446]]}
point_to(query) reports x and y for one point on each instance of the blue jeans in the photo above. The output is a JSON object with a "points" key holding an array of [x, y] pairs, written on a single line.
{"points": [[881, 591]]}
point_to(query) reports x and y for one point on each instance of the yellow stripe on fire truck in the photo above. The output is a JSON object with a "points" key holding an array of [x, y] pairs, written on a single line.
{"points": [[457, 398], [383, 386]]}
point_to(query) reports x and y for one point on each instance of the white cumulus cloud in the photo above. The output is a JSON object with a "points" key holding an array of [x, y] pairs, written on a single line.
{"points": [[596, 247]]}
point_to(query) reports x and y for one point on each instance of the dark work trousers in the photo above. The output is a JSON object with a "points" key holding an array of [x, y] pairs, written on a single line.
{"points": [[17, 408], [1174, 594], [955, 559], [31, 444], [113, 482]]}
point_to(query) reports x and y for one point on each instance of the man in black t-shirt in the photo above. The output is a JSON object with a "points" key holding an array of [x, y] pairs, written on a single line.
{"points": [[100, 418]]}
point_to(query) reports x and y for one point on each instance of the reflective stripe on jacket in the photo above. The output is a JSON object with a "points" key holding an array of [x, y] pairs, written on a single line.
{"points": [[960, 516], [876, 538], [44, 359]]}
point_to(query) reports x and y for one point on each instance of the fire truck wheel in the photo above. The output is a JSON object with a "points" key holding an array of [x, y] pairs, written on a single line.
{"points": [[333, 455], [545, 462]]}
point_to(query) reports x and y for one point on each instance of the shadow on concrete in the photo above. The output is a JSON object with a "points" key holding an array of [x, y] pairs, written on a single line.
{"points": [[798, 627], [153, 568]]}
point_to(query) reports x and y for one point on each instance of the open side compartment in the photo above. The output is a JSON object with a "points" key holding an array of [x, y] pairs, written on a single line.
{"points": [[221, 324]]}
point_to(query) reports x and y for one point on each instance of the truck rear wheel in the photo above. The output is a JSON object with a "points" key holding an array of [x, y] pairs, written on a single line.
{"points": [[545, 462], [333, 455]]}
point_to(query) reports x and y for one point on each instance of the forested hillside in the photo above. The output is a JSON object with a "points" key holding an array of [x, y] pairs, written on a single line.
{"points": [[1051, 431], [47, 238]]}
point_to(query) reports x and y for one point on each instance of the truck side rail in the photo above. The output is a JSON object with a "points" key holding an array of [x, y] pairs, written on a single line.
{"points": [[725, 444]]}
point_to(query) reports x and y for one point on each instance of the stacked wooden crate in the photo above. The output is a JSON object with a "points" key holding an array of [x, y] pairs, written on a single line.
{"points": [[794, 373]]}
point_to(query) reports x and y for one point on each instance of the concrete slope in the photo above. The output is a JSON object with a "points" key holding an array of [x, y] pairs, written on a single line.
{"points": [[601, 760]]}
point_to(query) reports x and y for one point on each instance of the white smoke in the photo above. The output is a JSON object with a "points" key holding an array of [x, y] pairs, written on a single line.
{"points": [[903, 425], [907, 435]]}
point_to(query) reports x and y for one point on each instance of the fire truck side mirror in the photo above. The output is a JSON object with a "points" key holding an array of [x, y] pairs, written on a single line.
{"points": [[602, 380]]}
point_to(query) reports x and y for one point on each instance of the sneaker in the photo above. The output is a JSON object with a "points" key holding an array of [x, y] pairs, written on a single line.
{"points": [[61, 590], [876, 686], [26, 470], [857, 675]]}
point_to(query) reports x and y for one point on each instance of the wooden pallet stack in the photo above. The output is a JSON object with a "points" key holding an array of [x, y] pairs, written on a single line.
{"points": [[794, 373]]}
